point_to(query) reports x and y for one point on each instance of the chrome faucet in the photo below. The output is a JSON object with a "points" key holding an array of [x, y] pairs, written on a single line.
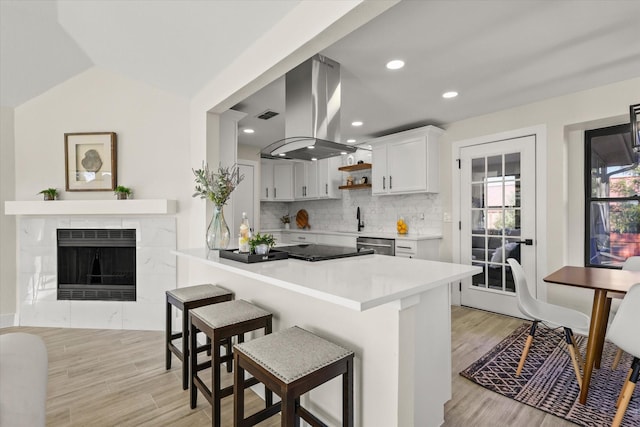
{"points": [[360, 223]]}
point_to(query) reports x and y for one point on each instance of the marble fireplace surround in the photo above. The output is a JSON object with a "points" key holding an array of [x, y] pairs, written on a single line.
{"points": [[37, 303]]}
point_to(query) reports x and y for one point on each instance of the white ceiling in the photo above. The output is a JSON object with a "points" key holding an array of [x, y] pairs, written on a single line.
{"points": [[497, 54], [177, 46]]}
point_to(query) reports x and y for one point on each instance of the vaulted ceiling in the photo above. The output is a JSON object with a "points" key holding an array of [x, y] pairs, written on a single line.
{"points": [[177, 46]]}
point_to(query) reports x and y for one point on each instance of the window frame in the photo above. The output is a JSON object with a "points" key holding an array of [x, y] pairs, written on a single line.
{"points": [[588, 198]]}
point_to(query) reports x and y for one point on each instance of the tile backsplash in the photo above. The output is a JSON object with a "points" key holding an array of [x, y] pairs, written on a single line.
{"points": [[379, 213]]}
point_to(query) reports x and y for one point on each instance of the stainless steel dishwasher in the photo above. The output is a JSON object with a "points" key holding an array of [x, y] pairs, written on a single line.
{"points": [[379, 246]]}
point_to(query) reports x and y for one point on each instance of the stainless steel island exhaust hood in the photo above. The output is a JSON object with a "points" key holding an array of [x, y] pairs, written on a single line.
{"points": [[312, 113]]}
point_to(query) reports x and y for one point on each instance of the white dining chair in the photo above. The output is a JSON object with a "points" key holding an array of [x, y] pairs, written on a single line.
{"points": [[551, 315], [624, 333], [632, 264]]}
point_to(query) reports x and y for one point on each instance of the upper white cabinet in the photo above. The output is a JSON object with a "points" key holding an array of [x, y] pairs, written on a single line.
{"points": [[276, 183], [406, 162], [329, 178], [317, 180], [306, 180]]}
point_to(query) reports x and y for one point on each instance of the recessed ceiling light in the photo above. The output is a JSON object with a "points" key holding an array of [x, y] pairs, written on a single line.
{"points": [[282, 154], [357, 123], [396, 64], [313, 159], [248, 131], [343, 152], [351, 141], [451, 94]]}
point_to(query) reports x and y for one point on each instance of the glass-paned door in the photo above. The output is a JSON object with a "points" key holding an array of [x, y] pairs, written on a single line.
{"points": [[497, 219]]}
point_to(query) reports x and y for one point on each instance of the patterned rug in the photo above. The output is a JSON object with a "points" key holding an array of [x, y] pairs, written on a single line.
{"points": [[548, 382]]}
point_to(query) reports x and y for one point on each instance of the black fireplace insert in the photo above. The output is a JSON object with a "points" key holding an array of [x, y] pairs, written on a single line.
{"points": [[97, 264]]}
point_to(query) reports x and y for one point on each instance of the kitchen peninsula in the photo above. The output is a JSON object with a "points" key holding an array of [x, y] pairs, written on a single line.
{"points": [[393, 312]]}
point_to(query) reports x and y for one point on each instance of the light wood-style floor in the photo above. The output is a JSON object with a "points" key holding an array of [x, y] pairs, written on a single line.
{"points": [[118, 378]]}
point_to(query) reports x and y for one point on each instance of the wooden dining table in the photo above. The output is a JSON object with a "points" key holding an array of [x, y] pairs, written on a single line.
{"points": [[606, 284]]}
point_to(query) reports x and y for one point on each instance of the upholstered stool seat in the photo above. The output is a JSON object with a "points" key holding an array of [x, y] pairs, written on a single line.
{"points": [[220, 322], [290, 363], [186, 299]]}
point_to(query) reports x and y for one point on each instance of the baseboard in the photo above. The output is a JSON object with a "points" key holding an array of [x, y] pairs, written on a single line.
{"points": [[7, 320]]}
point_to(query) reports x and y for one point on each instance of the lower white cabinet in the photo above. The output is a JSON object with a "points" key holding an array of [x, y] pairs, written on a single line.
{"points": [[337, 240], [421, 249], [293, 237]]}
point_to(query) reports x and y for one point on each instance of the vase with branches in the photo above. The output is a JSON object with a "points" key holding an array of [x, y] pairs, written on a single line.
{"points": [[217, 187]]}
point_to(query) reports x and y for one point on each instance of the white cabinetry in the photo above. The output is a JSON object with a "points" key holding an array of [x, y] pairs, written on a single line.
{"points": [[294, 237], [276, 183], [421, 249], [329, 178], [318, 179], [306, 180], [406, 162], [337, 240]]}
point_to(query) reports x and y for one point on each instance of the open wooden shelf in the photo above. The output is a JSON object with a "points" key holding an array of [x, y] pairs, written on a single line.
{"points": [[354, 186], [358, 167]]}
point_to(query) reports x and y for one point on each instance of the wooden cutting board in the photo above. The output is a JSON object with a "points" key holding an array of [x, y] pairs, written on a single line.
{"points": [[302, 219]]}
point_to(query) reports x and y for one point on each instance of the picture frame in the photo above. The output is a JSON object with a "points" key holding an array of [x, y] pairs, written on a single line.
{"points": [[90, 161]]}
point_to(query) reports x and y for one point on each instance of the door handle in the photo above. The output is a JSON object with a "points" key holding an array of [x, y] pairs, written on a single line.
{"points": [[383, 182], [275, 193], [528, 242], [267, 192], [390, 182]]}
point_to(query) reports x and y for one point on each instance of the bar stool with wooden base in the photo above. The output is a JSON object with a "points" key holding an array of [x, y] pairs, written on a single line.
{"points": [[186, 299], [221, 322], [291, 363]]}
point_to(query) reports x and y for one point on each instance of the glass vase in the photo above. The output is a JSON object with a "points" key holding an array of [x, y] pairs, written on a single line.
{"points": [[218, 231]]}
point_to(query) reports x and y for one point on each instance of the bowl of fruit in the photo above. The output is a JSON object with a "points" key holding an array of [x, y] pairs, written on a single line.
{"points": [[401, 226]]}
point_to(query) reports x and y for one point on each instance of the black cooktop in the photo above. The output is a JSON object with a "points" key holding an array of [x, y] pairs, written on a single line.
{"points": [[315, 252]]}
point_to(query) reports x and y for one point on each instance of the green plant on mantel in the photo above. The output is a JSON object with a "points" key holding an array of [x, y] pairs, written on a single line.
{"points": [[49, 193], [122, 192]]}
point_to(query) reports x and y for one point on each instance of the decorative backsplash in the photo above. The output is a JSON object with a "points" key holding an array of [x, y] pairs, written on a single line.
{"points": [[379, 213]]}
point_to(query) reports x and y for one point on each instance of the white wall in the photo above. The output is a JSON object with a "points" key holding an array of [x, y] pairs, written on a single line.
{"points": [[562, 116], [152, 128], [7, 223]]}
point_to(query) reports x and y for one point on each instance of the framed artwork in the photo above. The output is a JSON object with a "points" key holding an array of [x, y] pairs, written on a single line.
{"points": [[90, 161]]}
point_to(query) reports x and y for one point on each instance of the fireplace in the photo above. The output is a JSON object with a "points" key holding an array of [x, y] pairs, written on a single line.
{"points": [[96, 264]]}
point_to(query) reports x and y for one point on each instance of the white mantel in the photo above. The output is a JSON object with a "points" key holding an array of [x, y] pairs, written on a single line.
{"points": [[91, 207]]}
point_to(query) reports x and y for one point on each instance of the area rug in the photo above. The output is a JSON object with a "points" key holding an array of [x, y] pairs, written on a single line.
{"points": [[548, 382]]}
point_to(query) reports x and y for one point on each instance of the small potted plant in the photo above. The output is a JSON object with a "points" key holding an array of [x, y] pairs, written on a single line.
{"points": [[49, 193], [122, 192], [260, 244], [286, 220]]}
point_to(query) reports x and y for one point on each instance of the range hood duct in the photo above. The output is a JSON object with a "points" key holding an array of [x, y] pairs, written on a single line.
{"points": [[312, 113]]}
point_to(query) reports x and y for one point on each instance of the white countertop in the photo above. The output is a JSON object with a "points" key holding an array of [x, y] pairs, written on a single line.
{"points": [[360, 282], [376, 234]]}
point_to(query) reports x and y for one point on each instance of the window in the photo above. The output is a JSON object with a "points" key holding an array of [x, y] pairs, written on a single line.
{"points": [[612, 197]]}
